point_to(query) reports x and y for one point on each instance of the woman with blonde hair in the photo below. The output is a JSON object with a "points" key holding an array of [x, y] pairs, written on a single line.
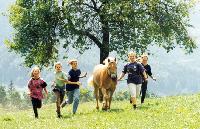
{"points": [[134, 81]]}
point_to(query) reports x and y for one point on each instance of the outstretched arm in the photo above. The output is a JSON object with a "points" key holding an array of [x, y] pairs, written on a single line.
{"points": [[152, 77], [83, 75], [69, 82], [121, 76], [76, 83]]}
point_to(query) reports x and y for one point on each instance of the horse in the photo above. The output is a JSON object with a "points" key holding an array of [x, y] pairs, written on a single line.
{"points": [[104, 81]]}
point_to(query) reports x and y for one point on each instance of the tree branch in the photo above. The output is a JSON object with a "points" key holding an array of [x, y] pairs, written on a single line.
{"points": [[93, 38]]}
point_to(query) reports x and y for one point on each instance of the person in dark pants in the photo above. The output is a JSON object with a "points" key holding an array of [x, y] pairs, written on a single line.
{"points": [[149, 73], [59, 86], [35, 88]]}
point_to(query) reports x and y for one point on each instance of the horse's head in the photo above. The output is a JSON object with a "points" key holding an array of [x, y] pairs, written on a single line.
{"points": [[111, 64]]}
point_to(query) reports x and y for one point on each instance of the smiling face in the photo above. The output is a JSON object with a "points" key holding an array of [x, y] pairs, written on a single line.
{"points": [[58, 67], [74, 64], [132, 57], [144, 59], [35, 73]]}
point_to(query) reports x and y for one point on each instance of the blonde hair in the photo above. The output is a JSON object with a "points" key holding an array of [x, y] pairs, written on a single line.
{"points": [[33, 69], [72, 60], [57, 63], [131, 53]]}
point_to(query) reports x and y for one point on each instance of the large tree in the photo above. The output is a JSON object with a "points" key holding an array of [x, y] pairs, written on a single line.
{"points": [[112, 25]]}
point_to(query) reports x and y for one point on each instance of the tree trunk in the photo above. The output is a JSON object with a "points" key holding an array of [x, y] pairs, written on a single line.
{"points": [[104, 50], [103, 54]]}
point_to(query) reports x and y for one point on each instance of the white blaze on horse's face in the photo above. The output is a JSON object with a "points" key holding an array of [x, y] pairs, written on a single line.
{"points": [[112, 69]]}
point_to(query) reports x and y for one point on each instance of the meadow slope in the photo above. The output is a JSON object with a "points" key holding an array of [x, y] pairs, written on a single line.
{"points": [[158, 113]]}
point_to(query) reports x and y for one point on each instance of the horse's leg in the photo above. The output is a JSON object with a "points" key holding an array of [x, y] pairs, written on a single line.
{"points": [[96, 93], [108, 99], [112, 90], [105, 98]]}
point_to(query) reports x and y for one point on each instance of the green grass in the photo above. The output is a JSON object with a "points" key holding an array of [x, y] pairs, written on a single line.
{"points": [[161, 113]]}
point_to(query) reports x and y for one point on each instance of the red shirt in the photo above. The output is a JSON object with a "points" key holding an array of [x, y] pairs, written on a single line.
{"points": [[36, 87]]}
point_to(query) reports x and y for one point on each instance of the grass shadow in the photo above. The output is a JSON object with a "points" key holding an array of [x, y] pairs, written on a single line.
{"points": [[68, 116], [147, 106], [116, 110]]}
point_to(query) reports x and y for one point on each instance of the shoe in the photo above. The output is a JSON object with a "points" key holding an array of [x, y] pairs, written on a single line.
{"points": [[130, 101], [36, 116], [59, 115], [134, 106]]}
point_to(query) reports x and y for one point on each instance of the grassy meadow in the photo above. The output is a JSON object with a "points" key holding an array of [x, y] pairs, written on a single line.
{"points": [[178, 112]]}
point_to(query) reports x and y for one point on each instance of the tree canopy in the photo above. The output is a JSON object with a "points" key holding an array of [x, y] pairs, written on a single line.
{"points": [[112, 25]]}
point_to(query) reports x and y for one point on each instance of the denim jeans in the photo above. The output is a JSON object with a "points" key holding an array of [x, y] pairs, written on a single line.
{"points": [[73, 96]]}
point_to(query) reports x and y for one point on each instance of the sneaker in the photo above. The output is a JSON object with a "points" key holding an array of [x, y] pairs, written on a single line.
{"points": [[134, 106]]}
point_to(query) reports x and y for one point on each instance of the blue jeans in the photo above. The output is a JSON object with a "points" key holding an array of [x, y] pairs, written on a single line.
{"points": [[73, 95]]}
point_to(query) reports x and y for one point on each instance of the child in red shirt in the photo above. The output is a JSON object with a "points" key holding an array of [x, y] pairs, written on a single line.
{"points": [[35, 88]]}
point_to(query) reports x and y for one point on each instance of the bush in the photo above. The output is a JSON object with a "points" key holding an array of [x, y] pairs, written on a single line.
{"points": [[86, 95]]}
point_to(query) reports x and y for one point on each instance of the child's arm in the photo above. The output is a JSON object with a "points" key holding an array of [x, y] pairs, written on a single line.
{"points": [[69, 82], [29, 92], [75, 83], [83, 75], [45, 90]]}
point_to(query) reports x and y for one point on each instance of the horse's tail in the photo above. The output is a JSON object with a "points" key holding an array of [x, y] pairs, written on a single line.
{"points": [[90, 81]]}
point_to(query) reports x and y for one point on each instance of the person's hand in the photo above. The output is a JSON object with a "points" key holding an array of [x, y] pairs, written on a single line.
{"points": [[78, 83], [119, 79], [154, 78], [145, 79], [53, 84], [29, 93], [85, 74], [46, 96]]}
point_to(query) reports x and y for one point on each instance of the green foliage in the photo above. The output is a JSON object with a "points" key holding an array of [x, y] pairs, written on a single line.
{"points": [[86, 95], [15, 99], [2, 94], [158, 113], [35, 23], [121, 95], [112, 25]]}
